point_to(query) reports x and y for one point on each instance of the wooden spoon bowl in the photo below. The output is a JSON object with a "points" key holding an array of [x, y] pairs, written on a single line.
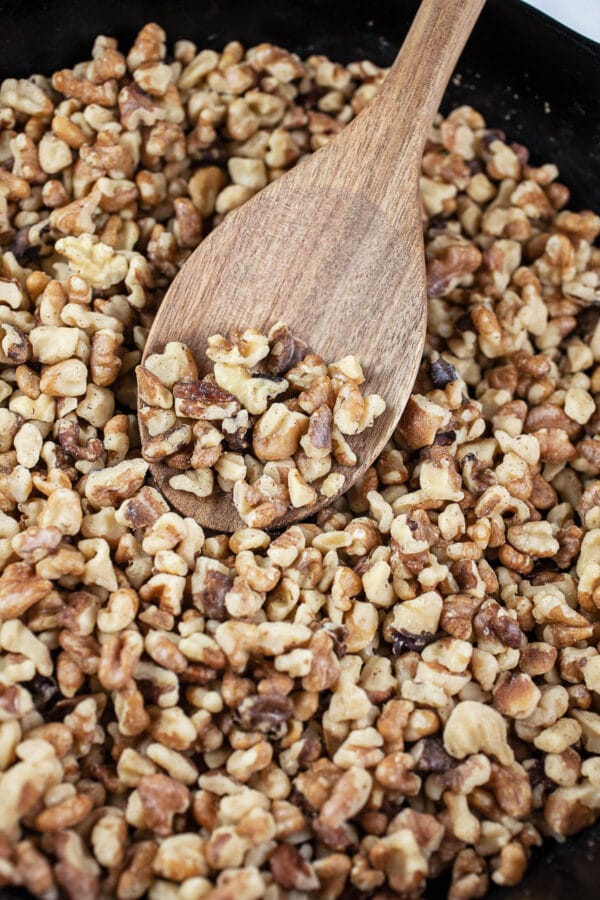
{"points": [[334, 249]]}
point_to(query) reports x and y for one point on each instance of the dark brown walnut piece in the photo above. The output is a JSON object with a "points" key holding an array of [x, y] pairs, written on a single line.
{"points": [[430, 756], [43, 691], [211, 599], [442, 373], [268, 713], [491, 621], [406, 642], [68, 434], [291, 871], [286, 351]]}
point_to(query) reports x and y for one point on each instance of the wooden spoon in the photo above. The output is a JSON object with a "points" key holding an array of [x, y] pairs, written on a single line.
{"points": [[334, 249]]}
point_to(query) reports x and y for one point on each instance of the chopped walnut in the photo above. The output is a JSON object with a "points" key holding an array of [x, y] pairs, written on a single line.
{"points": [[293, 440]]}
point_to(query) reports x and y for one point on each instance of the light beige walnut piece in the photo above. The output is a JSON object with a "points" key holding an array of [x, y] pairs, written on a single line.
{"points": [[473, 727]]}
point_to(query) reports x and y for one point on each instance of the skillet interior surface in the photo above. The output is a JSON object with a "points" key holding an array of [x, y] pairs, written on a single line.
{"points": [[527, 74]]}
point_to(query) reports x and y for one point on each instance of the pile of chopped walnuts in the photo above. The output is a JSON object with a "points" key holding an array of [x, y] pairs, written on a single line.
{"points": [[406, 686], [198, 424]]}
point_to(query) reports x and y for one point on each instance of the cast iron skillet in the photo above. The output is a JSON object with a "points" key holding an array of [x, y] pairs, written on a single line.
{"points": [[528, 75]]}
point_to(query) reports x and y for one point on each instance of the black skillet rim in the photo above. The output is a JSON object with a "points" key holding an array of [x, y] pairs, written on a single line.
{"points": [[60, 32]]}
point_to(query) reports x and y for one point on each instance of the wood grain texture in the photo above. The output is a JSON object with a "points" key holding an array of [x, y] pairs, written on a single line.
{"points": [[334, 249]]}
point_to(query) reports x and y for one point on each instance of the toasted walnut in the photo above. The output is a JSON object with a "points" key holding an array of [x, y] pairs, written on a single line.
{"points": [[20, 588], [352, 413], [98, 263], [301, 493], [243, 349], [276, 434], [261, 503], [109, 486], [204, 187], [473, 727], [516, 695], [285, 350], [69, 84], [105, 359], [167, 444], [204, 400], [25, 96], [318, 441], [421, 421], [77, 218], [253, 393], [195, 481], [207, 445], [137, 108]]}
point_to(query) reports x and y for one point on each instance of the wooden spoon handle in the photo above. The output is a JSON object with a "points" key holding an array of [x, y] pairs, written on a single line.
{"points": [[416, 82], [394, 130]]}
